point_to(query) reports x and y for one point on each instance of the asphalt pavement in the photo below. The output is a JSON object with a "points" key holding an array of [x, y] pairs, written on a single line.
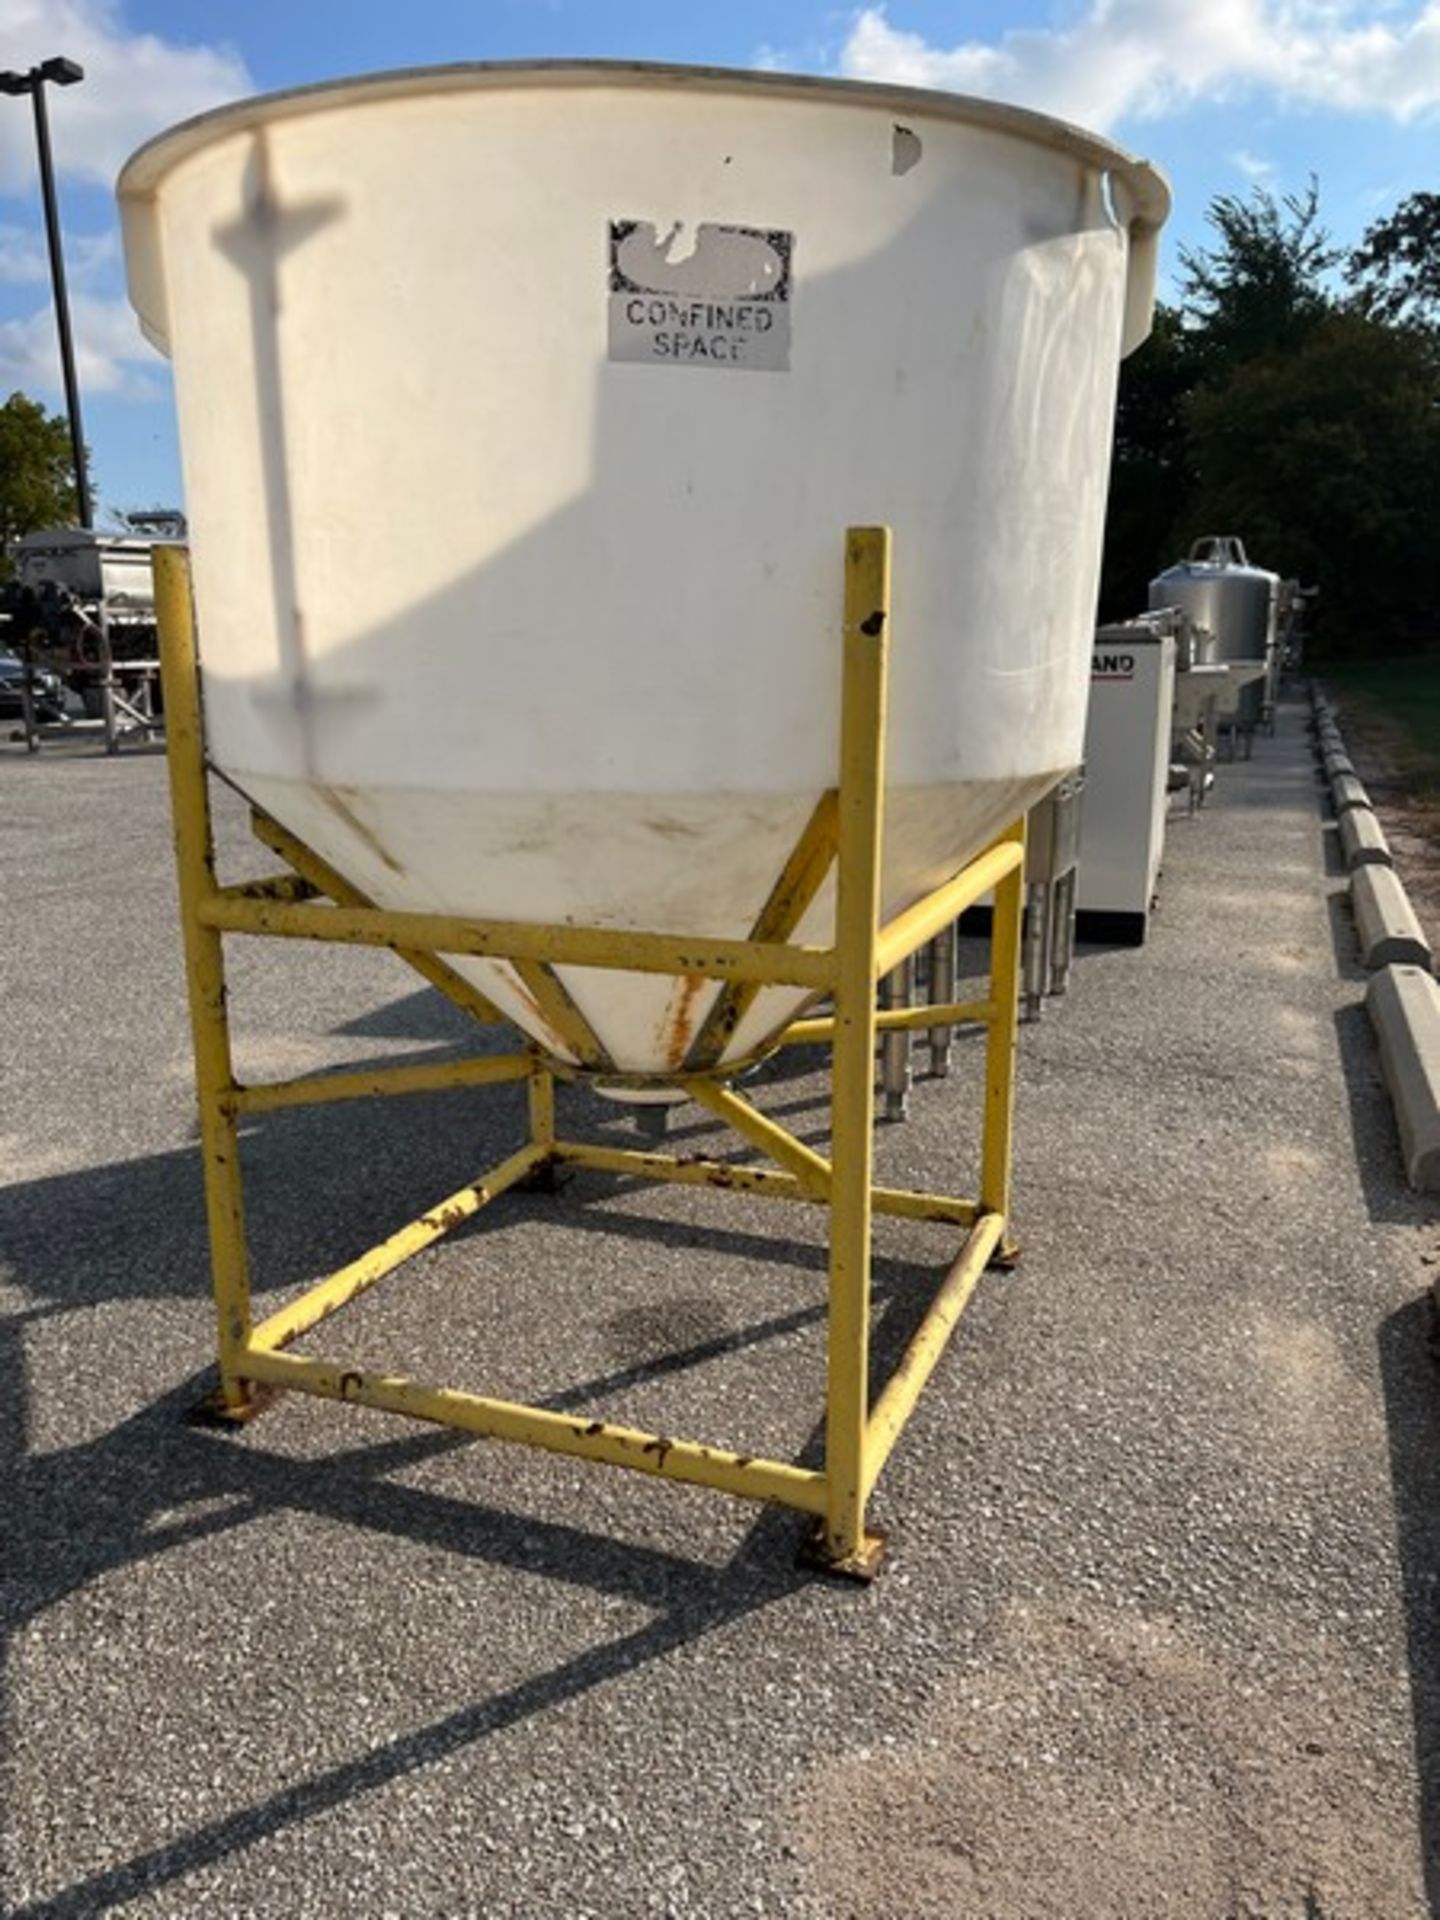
{"points": [[1158, 1632]]}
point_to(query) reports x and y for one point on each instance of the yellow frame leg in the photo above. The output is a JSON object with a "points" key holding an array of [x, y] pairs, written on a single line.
{"points": [[845, 1546], [215, 1084], [1001, 1044]]}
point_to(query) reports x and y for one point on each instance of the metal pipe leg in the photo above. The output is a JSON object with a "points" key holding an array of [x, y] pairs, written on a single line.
{"points": [[942, 993], [107, 686], [1032, 965], [895, 1065], [27, 706], [1062, 950]]}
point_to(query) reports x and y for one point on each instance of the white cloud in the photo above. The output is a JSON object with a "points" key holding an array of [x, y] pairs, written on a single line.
{"points": [[1261, 171], [24, 261], [1138, 59], [135, 84], [110, 354]]}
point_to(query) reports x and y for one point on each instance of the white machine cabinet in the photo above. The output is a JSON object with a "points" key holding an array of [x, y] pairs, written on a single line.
{"points": [[1127, 760]]}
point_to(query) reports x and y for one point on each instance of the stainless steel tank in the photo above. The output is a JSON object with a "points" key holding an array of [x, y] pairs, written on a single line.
{"points": [[1219, 589]]}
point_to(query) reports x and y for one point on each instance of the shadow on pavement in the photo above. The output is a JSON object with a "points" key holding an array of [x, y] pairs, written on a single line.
{"points": [[152, 1483], [88, 1510], [1411, 1383]]}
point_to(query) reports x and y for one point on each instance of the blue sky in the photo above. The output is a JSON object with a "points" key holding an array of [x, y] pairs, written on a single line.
{"points": [[1222, 94]]}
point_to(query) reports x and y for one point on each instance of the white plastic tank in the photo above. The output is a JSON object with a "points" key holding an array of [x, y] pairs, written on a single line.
{"points": [[523, 410]]}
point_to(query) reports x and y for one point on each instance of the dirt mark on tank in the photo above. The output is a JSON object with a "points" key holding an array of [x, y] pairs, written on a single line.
{"points": [[341, 802]]}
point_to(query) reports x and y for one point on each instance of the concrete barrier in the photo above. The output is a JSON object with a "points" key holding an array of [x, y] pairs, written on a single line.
{"points": [[1337, 761], [1347, 791], [1404, 1008], [1390, 934], [1362, 839]]}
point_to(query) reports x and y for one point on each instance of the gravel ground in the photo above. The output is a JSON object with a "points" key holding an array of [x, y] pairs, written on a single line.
{"points": [[1157, 1636]]}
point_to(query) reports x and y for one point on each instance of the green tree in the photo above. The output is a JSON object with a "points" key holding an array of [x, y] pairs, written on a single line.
{"points": [[1396, 267], [1326, 460], [1261, 286], [1151, 476], [37, 475]]}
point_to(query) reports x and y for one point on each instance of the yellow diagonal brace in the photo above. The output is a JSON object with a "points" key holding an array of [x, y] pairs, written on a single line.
{"points": [[811, 1169], [790, 899], [340, 1287], [323, 877], [560, 1013], [378, 1083], [900, 937], [897, 1401]]}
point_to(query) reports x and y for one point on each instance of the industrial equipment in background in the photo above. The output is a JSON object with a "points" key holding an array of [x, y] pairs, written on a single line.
{"points": [[1293, 626], [81, 605], [650, 804], [1238, 604], [1052, 860], [1127, 777], [928, 978]]}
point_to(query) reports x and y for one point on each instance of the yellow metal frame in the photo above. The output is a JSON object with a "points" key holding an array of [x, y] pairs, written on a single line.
{"points": [[846, 832]]}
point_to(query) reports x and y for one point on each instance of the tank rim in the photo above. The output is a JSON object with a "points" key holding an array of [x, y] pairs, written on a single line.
{"points": [[147, 167]]}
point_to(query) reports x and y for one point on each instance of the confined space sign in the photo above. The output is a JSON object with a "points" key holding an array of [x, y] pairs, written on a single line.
{"points": [[708, 296]]}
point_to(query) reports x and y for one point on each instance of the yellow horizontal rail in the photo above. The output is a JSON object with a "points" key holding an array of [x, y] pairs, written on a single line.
{"points": [[288, 887], [230, 911], [901, 1203], [597, 1440], [949, 1013], [340, 1287], [635, 1164], [911, 929], [380, 1083], [904, 1387], [631, 1163]]}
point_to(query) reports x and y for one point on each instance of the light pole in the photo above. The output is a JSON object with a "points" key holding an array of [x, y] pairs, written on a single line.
{"points": [[62, 73]]}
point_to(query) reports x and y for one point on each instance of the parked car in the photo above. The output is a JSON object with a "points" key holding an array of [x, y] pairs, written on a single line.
{"points": [[47, 689]]}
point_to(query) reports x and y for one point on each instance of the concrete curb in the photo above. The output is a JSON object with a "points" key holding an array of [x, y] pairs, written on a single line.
{"points": [[1404, 1008], [1390, 934], [1362, 839], [1338, 762], [1347, 791]]}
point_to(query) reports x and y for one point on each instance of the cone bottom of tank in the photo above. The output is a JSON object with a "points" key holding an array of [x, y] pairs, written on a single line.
{"points": [[697, 865]]}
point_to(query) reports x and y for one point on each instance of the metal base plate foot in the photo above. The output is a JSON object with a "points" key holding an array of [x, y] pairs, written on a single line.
{"points": [[215, 1411], [815, 1555], [550, 1177], [1005, 1258]]}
